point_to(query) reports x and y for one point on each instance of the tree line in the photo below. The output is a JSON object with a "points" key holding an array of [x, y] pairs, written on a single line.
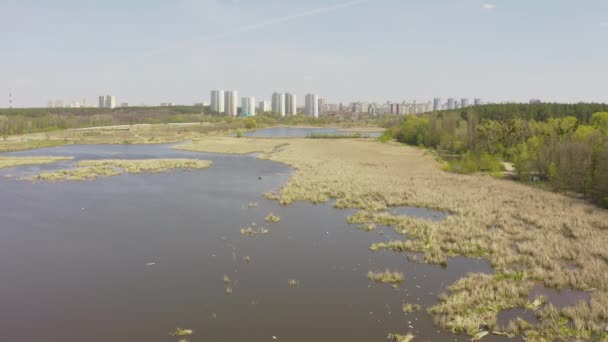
{"points": [[564, 152], [34, 120]]}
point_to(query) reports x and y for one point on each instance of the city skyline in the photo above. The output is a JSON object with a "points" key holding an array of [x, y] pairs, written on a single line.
{"points": [[177, 50]]}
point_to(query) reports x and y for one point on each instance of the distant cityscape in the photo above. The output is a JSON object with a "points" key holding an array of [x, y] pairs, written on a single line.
{"points": [[286, 104]]}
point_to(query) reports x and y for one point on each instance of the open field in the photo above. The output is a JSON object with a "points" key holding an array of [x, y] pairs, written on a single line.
{"points": [[92, 169], [20, 161], [529, 235]]}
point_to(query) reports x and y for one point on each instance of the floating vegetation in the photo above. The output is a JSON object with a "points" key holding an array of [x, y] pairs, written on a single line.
{"points": [[400, 338], [409, 308], [386, 277], [20, 161], [368, 227], [293, 283], [227, 279], [228, 290], [253, 204], [92, 169], [249, 231], [179, 332], [271, 218], [247, 259]]}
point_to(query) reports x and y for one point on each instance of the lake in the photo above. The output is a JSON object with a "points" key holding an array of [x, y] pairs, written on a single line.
{"points": [[132, 257], [298, 132]]}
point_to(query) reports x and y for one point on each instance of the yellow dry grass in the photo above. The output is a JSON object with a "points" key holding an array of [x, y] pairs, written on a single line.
{"points": [[92, 169], [518, 228], [125, 134], [20, 161], [219, 144], [17, 145]]}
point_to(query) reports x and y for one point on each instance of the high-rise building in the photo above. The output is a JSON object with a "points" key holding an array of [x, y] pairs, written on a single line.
{"points": [[535, 101], [217, 101], [231, 106], [321, 106], [264, 106], [451, 102], [110, 101], [311, 107], [278, 103], [437, 104], [102, 102], [478, 102], [395, 108], [248, 106], [290, 104], [464, 102]]}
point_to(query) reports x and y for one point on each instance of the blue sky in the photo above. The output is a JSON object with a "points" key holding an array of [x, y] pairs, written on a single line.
{"points": [[152, 51]]}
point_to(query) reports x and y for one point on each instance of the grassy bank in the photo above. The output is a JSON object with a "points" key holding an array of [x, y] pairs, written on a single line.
{"points": [[92, 169], [552, 239], [20, 161], [12, 146]]}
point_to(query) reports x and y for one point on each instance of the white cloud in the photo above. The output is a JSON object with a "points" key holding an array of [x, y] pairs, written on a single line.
{"points": [[488, 6]]}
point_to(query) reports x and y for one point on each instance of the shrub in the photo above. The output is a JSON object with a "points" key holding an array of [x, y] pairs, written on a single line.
{"points": [[251, 123], [386, 136]]}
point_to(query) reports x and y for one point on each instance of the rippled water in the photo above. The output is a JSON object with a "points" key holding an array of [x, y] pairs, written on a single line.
{"points": [[130, 258]]}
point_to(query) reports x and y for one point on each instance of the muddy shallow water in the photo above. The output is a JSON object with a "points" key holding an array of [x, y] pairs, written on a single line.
{"points": [[130, 258]]}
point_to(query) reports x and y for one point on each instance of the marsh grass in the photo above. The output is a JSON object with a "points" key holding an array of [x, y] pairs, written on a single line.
{"points": [[12, 146], [92, 169], [387, 277], [271, 218], [400, 338], [409, 308], [251, 230], [293, 283], [6, 162], [179, 332], [367, 227], [532, 230]]}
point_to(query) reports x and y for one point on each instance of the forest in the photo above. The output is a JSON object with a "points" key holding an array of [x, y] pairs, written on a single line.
{"points": [[562, 147]]}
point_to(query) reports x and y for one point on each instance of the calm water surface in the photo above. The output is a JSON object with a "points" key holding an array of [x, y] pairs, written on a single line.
{"points": [[298, 132], [130, 258]]}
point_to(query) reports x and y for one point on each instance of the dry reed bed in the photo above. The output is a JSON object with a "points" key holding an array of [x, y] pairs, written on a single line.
{"points": [[20, 161], [521, 230], [135, 134], [92, 169], [11, 146]]}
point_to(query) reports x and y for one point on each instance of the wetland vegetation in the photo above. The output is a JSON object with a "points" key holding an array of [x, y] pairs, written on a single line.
{"points": [[92, 169], [520, 229], [6, 162], [531, 237]]}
